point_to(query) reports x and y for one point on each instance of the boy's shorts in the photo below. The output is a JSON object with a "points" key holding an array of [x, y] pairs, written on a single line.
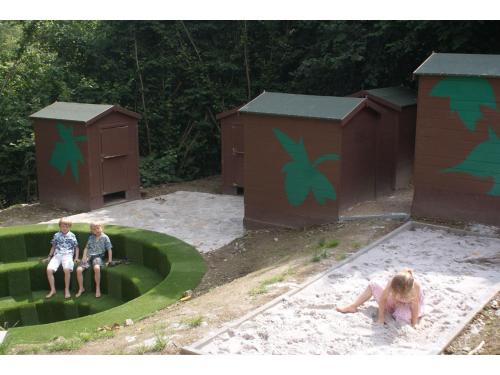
{"points": [[65, 259], [95, 261]]}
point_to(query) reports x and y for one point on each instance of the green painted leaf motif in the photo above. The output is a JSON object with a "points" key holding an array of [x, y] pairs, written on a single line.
{"points": [[483, 161], [325, 158], [466, 94], [296, 150], [322, 188], [301, 176], [67, 152], [296, 189]]}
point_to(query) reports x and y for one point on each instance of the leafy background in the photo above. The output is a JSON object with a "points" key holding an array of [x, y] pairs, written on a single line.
{"points": [[179, 75]]}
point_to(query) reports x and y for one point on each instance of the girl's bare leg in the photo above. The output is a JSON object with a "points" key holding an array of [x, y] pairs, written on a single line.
{"points": [[363, 297]]}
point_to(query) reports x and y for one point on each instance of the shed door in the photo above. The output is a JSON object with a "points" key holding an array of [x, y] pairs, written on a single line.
{"points": [[238, 153], [114, 158]]}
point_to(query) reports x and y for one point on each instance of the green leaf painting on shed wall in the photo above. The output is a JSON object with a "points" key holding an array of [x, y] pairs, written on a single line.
{"points": [[483, 161], [67, 152], [467, 95], [302, 176]]}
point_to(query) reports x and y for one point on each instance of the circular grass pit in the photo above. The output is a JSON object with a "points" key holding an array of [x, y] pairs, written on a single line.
{"points": [[159, 268]]}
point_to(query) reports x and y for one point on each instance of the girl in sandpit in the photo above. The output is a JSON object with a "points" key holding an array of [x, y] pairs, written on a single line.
{"points": [[402, 297]]}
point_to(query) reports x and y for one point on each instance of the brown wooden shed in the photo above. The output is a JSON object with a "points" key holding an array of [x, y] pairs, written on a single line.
{"points": [[87, 155], [308, 157], [457, 156], [400, 117], [232, 151]]}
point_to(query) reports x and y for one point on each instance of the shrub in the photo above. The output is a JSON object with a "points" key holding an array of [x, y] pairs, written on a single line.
{"points": [[194, 322], [322, 254], [158, 168]]}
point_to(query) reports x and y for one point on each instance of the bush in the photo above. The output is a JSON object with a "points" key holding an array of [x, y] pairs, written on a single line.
{"points": [[157, 169]]}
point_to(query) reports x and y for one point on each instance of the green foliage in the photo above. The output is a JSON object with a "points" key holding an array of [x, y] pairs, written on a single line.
{"points": [[156, 169], [319, 255], [356, 245], [179, 75], [3, 349], [262, 287], [327, 244], [159, 344], [64, 345], [340, 256], [193, 322], [322, 249], [61, 344]]}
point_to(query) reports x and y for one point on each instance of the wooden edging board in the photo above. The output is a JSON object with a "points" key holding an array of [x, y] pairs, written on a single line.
{"points": [[196, 347]]}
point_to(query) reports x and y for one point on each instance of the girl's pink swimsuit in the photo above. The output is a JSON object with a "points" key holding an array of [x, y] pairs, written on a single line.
{"points": [[400, 311]]}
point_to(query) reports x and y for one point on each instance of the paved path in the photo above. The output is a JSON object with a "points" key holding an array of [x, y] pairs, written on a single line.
{"points": [[206, 221]]}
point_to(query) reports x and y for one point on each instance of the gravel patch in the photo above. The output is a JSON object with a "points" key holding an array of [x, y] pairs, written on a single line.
{"points": [[206, 221]]}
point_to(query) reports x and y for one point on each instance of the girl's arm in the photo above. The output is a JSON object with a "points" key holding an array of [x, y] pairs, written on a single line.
{"points": [[382, 303], [77, 252], [415, 306]]}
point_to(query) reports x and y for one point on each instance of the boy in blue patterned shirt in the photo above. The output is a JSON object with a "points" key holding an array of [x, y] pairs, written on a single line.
{"points": [[93, 255], [64, 251]]}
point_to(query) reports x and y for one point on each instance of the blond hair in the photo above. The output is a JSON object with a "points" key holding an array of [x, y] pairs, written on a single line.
{"points": [[402, 282], [96, 224], [63, 220]]}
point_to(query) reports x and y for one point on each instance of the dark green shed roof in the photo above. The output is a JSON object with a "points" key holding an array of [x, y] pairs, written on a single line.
{"points": [[79, 112], [309, 106], [397, 95], [458, 64]]}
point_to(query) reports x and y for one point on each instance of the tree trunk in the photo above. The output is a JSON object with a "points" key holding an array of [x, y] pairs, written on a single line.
{"points": [[148, 136], [245, 53], [201, 61], [191, 40]]}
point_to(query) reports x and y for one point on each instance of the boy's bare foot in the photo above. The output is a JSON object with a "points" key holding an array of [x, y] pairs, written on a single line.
{"points": [[51, 293], [80, 292], [97, 294], [67, 295], [347, 309]]}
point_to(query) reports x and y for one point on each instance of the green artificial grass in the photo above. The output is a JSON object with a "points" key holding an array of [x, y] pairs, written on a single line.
{"points": [[161, 268], [33, 308]]}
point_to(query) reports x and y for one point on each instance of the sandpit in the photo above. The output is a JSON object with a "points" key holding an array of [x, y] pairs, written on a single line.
{"points": [[459, 273]]}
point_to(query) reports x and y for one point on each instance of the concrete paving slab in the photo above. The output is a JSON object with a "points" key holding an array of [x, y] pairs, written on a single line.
{"points": [[206, 221]]}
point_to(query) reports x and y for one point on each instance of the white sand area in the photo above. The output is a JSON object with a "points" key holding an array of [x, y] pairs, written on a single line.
{"points": [[456, 274], [206, 221]]}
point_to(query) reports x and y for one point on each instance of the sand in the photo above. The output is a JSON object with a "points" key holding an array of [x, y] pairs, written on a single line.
{"points": [[206, 221], [451, 268]]}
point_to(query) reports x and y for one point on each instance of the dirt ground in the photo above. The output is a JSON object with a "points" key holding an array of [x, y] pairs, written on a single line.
{"points": [[248, 273]]}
